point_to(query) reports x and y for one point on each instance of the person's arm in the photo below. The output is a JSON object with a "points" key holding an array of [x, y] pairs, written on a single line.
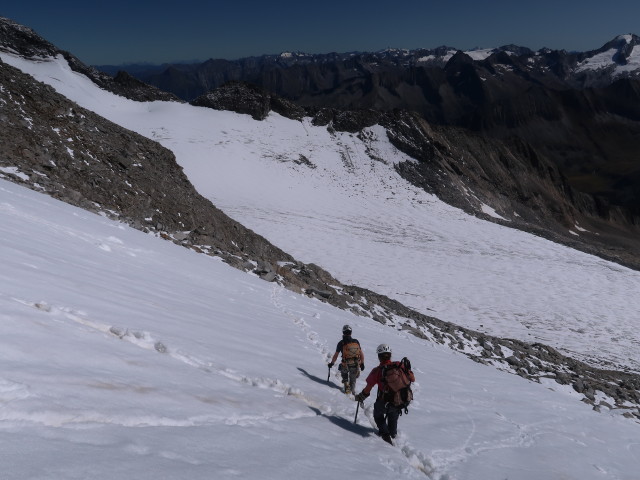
{"points": [[407, 368], [335, 355], [367, 389], [333, 359], [372, 380]]}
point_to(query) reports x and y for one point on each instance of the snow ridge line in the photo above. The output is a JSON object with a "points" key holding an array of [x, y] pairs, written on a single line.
{"points": [[415, 458]]}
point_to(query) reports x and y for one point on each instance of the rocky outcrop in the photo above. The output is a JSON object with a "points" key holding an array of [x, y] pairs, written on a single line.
{"points": [[237, 97], [245, 98]]}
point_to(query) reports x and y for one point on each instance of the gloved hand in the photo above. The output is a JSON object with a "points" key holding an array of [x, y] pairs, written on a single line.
{"points": [[362, 366], [361, 397], [407, 363], [331, 364]]}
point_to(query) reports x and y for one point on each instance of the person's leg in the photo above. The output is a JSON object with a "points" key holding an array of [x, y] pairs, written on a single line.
{"points": [[344, 371], [354, 371], [393, 413], [379, 412]]}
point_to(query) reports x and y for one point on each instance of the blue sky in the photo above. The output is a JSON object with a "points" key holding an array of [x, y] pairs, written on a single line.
{"points": [[118, 32]]}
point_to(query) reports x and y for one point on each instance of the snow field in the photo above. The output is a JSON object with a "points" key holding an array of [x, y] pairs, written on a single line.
{"points": [[151, 361]]}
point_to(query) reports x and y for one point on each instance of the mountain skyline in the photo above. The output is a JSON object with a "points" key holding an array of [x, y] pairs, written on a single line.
{"points": [[119, 33]]}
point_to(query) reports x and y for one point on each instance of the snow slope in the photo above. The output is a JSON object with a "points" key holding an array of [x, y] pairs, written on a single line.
{"points": [[125, 356], [605, 60], [353, 215]]}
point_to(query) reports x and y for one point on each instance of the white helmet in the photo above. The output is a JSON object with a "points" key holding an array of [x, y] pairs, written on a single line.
{"points": [[346, 330], [383, 348]]}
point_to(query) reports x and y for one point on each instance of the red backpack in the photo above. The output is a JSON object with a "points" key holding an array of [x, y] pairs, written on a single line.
{"points": [[397, 386]]}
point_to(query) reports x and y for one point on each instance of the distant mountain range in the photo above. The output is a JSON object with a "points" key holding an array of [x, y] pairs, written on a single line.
{"points": [[617, 59]]}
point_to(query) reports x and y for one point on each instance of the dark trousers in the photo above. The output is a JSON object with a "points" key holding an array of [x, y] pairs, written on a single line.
{"points": [[386, 416]]}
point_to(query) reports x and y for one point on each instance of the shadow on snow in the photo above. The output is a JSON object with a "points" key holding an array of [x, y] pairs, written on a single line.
{"points": [[318, 379], [346, 424]]}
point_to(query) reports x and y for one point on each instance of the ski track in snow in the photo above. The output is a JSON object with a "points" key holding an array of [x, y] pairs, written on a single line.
{"points": [[415, 458]]}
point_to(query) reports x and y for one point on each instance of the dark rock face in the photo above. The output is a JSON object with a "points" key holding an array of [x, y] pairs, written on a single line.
{"points": [[524, 188], [128, 86], [248, 99], [24, 41], [237, 97]]}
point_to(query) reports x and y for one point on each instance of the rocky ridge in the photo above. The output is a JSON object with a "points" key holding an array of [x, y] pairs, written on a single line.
{"points": [[21, 40]]}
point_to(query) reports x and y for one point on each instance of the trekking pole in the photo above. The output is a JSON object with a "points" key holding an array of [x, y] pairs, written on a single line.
{"points": [[329, 375], [357, 407]]}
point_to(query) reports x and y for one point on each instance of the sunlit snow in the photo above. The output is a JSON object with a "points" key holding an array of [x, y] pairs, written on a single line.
{"points": [[480, 54], [606, 60], [125, 356]]}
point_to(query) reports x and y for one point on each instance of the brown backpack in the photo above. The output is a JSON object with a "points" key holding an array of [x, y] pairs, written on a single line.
{"points": [[397, 389], [351, 352]]}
